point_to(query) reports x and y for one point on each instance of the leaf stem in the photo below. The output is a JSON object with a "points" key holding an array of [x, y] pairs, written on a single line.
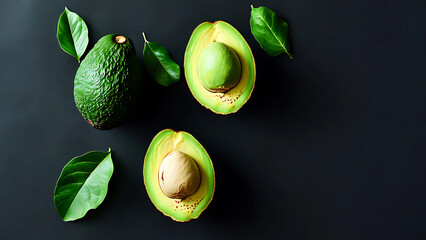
{"points": [[144, 37]]}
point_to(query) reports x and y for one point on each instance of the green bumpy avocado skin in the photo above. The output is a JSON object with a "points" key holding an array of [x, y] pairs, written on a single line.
{"points": [[107, 81], [219, 67]]}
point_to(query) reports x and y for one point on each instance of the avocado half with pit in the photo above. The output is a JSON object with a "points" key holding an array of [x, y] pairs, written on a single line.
{"points": [[178, 175], [219, 67]]}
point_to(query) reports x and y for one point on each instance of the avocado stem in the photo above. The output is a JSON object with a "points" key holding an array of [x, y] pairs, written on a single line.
{"points": [[120, 39]]}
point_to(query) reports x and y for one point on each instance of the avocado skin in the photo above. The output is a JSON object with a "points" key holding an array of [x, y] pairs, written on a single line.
{"points": [[106, 82]]}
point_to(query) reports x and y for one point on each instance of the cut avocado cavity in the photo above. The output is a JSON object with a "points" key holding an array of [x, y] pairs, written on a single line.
{"points": [[178, 175], [219, 67]]}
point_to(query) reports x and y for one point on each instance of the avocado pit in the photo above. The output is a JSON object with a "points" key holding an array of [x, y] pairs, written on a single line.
{"points": [[219, 68], [178, 175]]}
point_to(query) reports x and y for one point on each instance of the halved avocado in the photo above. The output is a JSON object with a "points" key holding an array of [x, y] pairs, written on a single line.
{"points": [[221, 100], [179, 209]]}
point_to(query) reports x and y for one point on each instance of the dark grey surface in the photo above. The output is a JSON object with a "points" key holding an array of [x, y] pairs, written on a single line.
{"points": [[330, 146]]}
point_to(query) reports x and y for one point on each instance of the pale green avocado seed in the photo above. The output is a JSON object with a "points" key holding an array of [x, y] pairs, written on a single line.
{"points": [[219, 68]]}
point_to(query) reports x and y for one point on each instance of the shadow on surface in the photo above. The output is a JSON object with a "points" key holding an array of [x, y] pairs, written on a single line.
{"points": [[306, 100], [274, 87], [150, 100], [234, 200]]}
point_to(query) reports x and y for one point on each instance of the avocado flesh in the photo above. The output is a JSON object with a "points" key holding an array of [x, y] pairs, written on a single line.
{"points": [[230, 101], [107, 81], [191, 206]]}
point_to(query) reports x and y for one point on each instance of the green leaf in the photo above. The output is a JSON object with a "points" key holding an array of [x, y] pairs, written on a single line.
{"points": [[270, 31], [83, 184], [159, 63], [73, 35]]}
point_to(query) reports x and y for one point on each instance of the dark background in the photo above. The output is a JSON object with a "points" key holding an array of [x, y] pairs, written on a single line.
{"points": [[331, 144]]}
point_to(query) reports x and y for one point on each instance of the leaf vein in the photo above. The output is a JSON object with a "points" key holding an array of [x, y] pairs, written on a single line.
{"points": [[84, 183], [281, 44]]}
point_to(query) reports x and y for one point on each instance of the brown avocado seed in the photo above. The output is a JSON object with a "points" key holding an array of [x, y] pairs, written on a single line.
{"points": [[178, 175]]}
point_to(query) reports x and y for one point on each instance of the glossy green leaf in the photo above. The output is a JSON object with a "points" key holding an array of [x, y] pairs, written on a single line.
{"points": [[83, 184], [270, 31], [159, 63], [73, 35]]}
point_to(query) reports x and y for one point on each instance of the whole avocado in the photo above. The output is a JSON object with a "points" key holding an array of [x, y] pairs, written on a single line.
{"points": [[107, 81]]}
